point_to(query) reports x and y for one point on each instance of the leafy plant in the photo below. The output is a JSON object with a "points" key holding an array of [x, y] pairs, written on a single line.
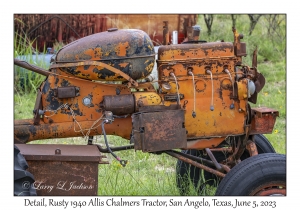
{"points": [[26, 81]]}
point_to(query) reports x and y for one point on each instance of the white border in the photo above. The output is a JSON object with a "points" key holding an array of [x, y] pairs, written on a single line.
{"points": [[152, 6]]}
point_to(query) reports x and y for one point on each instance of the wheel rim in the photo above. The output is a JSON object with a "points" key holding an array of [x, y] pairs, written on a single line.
{"points": [[271, 190]]}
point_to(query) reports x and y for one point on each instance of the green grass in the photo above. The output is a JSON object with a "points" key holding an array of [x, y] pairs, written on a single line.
{"points": [[27, 81], [150, 174]]}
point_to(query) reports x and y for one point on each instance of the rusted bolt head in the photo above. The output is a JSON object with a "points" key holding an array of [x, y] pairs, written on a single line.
{"points": [[58, 151]]}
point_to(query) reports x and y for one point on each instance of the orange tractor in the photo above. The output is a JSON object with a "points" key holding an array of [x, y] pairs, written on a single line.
{"points": [[199, 103]]}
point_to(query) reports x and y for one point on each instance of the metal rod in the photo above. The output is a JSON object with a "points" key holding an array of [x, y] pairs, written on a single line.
{"points": [[212, 157], [194, 163], [122, 162], [114, 149], [197, 159], [202, 160], [225, 150], [31, 67]]}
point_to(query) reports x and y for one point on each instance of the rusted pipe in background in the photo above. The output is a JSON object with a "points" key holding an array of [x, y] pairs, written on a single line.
{"points": [[165, 33]]}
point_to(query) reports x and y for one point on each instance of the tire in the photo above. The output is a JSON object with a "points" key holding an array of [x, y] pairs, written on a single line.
{"points": [[23, 180], [187, 174], [263, 174]]}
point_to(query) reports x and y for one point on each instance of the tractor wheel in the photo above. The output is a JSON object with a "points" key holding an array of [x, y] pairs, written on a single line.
{"points": [[186, 173], [23, 180], [261, 175]]}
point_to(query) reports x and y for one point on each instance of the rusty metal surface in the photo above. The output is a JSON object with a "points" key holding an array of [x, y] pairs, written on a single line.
{"points": [[128, 50], [119, 104], [205, 143], [63, 170], [61, 152], [130, 103], [261, 111], [155, 108], [272, 189], [199, 91], [214, 90], [28, 131], [186, 52], [118, 74], [37, 107], [60, 178], [146, 99], [58, 120], [251, 147], [158, 131], [263, 120], [166, 34], [239, 47], [67, 92], [93, 91]]}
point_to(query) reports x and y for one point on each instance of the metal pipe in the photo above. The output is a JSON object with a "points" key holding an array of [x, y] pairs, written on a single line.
{"points": [[122, 162], [175, 37], [165, 33], [31, 67], [202, 160], [25, 130], [194, 163], [114, 149], [197, 159], [212, 157]]}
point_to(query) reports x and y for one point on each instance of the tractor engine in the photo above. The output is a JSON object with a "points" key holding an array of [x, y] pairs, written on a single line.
{"points": [[201, 99]]}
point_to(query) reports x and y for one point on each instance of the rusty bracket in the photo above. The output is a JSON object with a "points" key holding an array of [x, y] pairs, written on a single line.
{"points": [[96, 63], [239, 47], [243, 143], [37, 107], [251, 147]]}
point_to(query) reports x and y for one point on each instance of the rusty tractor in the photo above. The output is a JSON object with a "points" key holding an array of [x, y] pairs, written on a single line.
{"points": [[100, 85]]}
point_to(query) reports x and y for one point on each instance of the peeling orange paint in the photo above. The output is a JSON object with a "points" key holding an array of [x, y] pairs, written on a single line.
{"points": [[121, 49], [123, 65]]}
